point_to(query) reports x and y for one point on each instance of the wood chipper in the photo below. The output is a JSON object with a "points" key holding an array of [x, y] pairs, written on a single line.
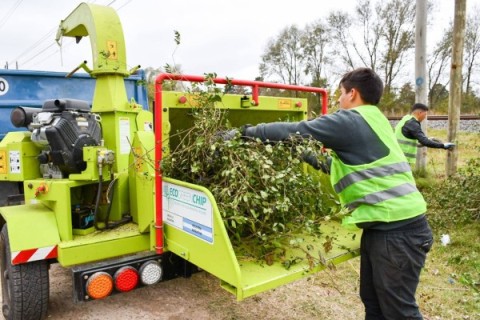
{"points": [[94, 197]]}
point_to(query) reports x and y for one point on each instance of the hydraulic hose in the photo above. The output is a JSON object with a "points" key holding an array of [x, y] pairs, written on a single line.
{"points": [[97, 201], [110, 192]]}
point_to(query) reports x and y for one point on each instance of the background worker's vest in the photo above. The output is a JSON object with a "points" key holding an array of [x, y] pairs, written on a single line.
{"points": [[383, 190], [408, 146]]}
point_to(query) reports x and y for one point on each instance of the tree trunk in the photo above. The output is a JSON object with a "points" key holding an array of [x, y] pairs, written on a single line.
{"points": [[421, 73], [455, 99]]}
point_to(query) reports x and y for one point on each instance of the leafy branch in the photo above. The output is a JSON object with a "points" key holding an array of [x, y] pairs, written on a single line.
{"points": [[262, 190]]}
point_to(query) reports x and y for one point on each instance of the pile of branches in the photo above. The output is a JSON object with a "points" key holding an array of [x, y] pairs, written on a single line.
{"points": [[261, 189]]}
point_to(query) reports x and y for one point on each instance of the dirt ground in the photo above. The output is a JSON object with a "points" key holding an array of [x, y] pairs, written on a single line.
{"points": [[200, 297], [327, 295]]}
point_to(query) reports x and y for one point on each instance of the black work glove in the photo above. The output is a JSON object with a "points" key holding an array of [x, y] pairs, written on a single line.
{"points": [[243, 130], [227, 135], [311, 159], [231, 134]]}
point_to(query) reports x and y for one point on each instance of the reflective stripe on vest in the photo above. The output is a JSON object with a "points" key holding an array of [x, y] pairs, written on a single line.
{"points": [[408, 146], [381, 171], [383, 190], [384, 195], [408, 142]]}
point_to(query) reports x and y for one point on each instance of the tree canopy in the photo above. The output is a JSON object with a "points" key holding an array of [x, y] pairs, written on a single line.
{"points": [[379, 35]]}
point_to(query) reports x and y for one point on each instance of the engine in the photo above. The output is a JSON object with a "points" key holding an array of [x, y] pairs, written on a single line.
{"points": [[61, 128]]}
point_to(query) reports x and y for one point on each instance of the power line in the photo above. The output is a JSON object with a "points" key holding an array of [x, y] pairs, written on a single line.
{"points": [[54, 52], [44, 38], [119, 8], [9, 14], [33, 46], [38, 53]]}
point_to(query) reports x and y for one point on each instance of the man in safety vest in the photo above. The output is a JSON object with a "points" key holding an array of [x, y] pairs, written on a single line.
{"points": [[375, 182], [408, 131]]}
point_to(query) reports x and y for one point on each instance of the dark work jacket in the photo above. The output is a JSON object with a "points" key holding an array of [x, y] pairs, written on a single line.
{"points": [[413, 130], [346, 132]]}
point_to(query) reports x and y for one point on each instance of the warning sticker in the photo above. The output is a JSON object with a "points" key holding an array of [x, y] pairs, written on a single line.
{"points": [[112, 50], [14, 157], [284, 104]]}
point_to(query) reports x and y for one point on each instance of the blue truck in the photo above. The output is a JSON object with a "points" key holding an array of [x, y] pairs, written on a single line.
{"points": [[29, 88]]}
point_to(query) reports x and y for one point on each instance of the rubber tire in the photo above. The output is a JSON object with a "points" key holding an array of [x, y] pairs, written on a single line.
{"points": [[25, 287]]}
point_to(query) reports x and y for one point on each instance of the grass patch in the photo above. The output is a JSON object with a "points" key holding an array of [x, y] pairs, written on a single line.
{"points": [[450, 284], [436, 158]]}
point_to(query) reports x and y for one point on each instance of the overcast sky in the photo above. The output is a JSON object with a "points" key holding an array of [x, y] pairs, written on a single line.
{"points": [[226, 37]]}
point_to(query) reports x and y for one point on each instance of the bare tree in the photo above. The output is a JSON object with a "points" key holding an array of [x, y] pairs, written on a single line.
{"points": [[379, 36], [340, 24], [438, 64], [472, 48], [398, 34], [440, 59], [372, 32], [314, 43], [284, 57]]}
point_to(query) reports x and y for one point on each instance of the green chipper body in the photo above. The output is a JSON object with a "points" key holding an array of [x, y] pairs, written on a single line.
{"points": [[98, 204]]}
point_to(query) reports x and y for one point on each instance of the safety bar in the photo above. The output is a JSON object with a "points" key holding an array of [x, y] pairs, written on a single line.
{"points": [[255, 85]]}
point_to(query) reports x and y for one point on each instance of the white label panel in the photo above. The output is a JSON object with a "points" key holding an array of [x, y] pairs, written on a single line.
{"points": [[188, 210], [124, 135]]}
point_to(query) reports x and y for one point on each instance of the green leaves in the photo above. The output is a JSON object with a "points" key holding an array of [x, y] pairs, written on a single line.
{"points": [[177, 37], [456, 201], [262, 190]]}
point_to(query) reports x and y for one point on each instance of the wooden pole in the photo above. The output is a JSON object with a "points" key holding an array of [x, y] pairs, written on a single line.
{"points": [[421, 84], [455, 98]]}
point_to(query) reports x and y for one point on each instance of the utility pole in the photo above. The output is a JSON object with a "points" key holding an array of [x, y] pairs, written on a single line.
{"points": [[455, 98], [421, 85]]}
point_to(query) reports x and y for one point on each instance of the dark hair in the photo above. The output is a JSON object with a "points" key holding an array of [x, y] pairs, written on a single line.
{"points": [[366, 82], [419, 106]]}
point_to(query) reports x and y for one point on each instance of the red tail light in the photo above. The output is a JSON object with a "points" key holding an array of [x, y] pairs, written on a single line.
{"points": [[126, 279]]}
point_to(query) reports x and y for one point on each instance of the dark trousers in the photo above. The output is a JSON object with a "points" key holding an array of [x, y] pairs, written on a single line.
{"points": [[390, 267]]}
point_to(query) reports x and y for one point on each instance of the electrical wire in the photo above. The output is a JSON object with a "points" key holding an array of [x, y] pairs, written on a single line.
{"points": [[37, 54], [33, 46], [56, 51], [126, 3], [9, 14]]}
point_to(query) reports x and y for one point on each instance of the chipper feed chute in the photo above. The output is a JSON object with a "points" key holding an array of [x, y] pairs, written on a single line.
{"points": [[188, 221]]}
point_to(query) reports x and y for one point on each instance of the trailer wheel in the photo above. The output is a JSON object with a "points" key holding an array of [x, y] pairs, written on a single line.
{"points": [[25, 287]]}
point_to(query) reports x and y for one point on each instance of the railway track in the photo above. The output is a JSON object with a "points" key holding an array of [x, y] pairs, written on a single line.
{"points": [[441, 117]]}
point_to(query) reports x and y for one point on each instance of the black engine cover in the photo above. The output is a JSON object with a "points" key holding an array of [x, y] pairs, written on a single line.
{"points": [[71, 132]]}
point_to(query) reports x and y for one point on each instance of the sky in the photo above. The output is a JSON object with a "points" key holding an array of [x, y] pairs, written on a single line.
{"points": [[225, 37]]}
